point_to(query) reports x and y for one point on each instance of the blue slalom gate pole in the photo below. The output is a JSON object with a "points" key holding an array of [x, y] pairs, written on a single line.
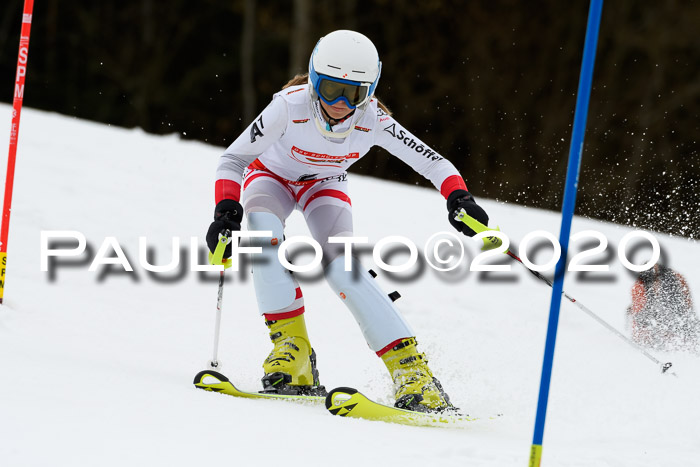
{"points": [[580, 116]]}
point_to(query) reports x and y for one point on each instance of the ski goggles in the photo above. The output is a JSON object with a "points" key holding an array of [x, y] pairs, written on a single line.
{"points": [[331, 90]]}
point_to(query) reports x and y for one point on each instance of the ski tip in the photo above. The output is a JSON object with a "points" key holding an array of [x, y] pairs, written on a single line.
{"points": [[338, 396], [199, 377]]}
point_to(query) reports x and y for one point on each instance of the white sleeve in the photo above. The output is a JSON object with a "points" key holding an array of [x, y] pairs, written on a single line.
{"points": [[262, 133], [403, 144]]}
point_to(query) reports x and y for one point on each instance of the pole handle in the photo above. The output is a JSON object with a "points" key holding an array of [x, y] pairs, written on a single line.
{"points": [[217, 258], [490, 242]]}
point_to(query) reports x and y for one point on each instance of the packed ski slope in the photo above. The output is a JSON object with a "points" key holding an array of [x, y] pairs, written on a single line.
{"points": [[96, 367]]}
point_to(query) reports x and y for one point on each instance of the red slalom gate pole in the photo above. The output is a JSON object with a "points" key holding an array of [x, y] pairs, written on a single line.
{"points": [[14, 134]]}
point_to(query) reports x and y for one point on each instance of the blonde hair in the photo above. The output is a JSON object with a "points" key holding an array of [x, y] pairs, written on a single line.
{"points": [[303, 78]]}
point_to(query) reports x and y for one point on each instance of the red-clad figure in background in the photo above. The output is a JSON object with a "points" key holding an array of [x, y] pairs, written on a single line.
{"points": [[662, 315]]}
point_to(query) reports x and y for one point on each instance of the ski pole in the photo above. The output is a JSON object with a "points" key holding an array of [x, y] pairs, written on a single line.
{"points": [[478, 227], [217, 258], [663, 366], [17, 101]]}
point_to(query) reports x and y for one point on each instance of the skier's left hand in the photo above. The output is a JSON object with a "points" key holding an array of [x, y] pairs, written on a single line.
{"points": [[462, 199]]}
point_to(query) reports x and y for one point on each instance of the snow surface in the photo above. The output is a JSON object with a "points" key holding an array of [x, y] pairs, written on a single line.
{"points": [[96, 368]]}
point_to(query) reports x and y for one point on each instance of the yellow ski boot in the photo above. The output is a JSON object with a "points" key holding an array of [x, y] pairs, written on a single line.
{"points": [[291, 366], [415, 386]]}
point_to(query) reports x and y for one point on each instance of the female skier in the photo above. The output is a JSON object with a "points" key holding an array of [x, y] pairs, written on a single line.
{"points": [[295, 155]]}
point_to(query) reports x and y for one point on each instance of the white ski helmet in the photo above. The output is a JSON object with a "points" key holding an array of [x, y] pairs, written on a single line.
{"points": [[344, 66]]}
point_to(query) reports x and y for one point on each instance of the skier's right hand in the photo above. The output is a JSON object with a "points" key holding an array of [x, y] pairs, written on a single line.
{"points": [[228, 214]]}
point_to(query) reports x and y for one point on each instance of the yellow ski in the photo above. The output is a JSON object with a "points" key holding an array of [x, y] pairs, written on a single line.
{"points": [[348, 402], [214, 381]]}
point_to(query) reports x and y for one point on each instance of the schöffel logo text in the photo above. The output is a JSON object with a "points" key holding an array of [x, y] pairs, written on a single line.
{"points": [[410, 142]]}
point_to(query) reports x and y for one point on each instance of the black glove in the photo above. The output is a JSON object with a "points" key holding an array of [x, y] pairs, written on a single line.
{"points": [[461, 199], [228, 214]]}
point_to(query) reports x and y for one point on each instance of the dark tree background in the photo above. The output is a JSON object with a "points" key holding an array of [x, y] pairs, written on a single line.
{"points": [[490, 85]]}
